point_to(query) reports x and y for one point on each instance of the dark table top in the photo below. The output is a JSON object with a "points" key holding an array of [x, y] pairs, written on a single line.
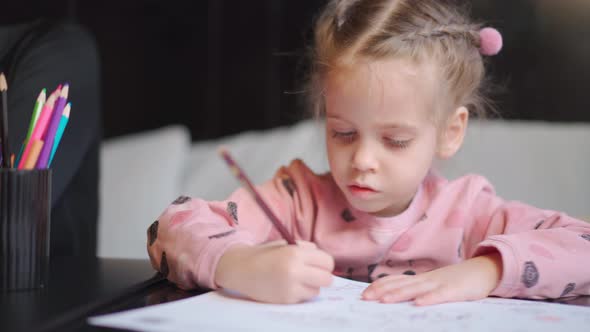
{"points": [[80, 288]]}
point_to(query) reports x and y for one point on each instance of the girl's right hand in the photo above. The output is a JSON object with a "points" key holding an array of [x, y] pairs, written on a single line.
{"points": [[275, 272]]}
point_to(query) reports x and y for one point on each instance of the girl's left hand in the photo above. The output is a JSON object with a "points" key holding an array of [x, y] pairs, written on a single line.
{"points": [[472, 279]]}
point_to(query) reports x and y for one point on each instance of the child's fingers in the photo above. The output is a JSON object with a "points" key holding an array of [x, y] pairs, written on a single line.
{"points": [[386, 284], [306, 244], [320, 259], [316, 278], [296, 294], [276, 243], [409, 292], [300, 243], [439, 295], [388, 279], [308, 293]]}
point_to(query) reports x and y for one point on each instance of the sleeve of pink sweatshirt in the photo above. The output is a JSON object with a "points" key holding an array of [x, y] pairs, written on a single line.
{"points": [[191, 235], [544, 253]]}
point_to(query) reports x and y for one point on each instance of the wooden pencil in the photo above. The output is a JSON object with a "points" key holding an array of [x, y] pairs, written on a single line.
{"points": [[40, 125], [241, 176], [33, 156], [4, 124], [54, 120], [36, 112]]}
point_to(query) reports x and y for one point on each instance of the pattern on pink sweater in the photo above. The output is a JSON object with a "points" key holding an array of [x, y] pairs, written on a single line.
{"points": [[447, 222]]}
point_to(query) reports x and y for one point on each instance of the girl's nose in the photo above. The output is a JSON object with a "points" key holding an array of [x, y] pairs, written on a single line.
{"points": [[364, 158]]}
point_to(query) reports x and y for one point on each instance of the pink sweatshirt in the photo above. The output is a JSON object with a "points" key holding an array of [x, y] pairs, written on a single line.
{"points": [[544, 253]]}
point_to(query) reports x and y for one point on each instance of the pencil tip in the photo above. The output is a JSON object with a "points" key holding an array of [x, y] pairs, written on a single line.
{"points": [[65, 90], [67, 109], [3, 85], [221, 149]]}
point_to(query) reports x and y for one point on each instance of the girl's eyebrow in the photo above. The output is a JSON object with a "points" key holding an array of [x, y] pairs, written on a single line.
{"points": [[335, 117], [387, 126], [399, 126]]}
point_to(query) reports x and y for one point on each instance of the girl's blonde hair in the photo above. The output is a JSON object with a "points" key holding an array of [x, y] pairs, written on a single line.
{"points": [[352, 31]]}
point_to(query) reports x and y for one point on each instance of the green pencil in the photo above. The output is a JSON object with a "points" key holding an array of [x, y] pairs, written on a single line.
{"points": [[36, 111]]}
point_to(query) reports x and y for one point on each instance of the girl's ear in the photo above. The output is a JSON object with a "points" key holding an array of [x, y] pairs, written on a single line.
{"points": [[453, 132]]}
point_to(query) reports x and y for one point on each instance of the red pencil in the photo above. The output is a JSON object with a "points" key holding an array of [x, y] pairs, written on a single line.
{"points": [[241, 176]]}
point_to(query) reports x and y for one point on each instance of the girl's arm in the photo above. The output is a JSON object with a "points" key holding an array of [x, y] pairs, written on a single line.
{"points": [[511, 250], [543, 252], [192, 235]]}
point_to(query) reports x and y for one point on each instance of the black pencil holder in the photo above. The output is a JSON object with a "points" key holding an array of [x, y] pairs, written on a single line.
{"points": [[25, 213]]}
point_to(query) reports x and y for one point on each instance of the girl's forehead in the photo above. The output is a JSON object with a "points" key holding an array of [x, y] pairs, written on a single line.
{"points": [[393, 73], [383, 85]]}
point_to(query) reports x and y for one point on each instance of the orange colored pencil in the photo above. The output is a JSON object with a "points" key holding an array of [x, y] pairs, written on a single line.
{"points": [[40, 126], [36, 147]]}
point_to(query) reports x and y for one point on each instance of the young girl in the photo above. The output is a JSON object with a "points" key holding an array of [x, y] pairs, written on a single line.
{"points": [[396, 81]]}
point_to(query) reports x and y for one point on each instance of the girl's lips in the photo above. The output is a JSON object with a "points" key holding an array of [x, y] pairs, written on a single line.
{"points": [[361, 191]]}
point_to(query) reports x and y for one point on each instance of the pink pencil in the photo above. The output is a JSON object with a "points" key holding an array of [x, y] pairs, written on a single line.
{"points": [[41, 125], [49, 136]]}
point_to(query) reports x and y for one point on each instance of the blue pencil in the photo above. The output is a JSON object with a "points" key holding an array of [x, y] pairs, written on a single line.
{"points": [[60, 130]]}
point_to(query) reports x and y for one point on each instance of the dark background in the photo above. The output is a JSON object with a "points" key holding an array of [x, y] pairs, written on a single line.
{"points": [[223, 66]]}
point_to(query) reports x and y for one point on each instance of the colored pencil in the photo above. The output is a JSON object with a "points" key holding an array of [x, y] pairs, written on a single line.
{"points": [[36, 146], [4, 124], [52, 128], [36, 111], [41, 125], [60, 130], [241, 176]]}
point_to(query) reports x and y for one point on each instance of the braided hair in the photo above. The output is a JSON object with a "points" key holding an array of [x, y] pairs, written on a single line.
{"points": [[351, 31]]}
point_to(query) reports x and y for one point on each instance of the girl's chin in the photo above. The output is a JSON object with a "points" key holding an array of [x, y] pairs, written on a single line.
{"points": [[365, 206], [375, 209]]}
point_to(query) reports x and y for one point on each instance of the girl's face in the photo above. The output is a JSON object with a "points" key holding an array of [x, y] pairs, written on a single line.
{"points": [[380, 132]]}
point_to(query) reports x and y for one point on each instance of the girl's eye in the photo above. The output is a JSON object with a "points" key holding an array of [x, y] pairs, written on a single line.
{"points": [[396, 143], [344, 136]]}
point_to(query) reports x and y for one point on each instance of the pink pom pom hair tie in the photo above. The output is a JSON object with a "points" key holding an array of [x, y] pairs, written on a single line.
{"points": [[490, 41]]}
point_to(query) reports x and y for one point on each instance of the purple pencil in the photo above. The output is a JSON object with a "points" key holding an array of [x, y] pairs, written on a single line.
{"points": [[250, 187], [52, 128]]}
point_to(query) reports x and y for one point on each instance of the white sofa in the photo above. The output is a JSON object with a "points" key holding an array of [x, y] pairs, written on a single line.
{"points": [[543, 164]]}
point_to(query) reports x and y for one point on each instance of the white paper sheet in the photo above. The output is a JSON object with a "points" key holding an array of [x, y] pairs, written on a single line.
{"points": [[339, 308]]}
